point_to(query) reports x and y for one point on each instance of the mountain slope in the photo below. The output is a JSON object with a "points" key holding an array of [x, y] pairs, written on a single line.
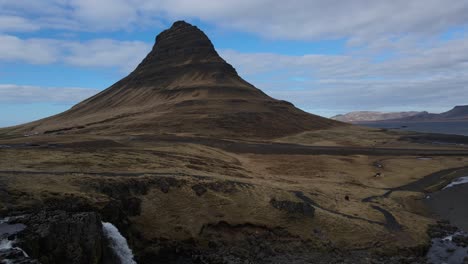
{"points": [[182, 86]]}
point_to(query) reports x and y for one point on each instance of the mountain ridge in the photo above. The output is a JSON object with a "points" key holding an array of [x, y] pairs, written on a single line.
{"points": [[457, 113], [360, 116]]}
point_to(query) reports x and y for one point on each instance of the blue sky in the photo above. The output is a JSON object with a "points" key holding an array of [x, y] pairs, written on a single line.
{"points": [[327, 57]]}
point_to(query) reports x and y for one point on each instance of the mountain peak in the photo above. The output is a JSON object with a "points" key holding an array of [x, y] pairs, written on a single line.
{"points": [[182, 50], [181, 43], [461, 106], [181, 24]]}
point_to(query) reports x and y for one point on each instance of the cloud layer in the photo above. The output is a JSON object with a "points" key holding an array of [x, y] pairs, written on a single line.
{"points": [[24, 94], [432, 79], [296, 19], [124, 55]]}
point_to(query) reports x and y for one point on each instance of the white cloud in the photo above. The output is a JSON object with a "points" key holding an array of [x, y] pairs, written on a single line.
{"points": [[36, 51], [16, 23], [124, 55], [105, 14], [11, 93], [107, 53]]}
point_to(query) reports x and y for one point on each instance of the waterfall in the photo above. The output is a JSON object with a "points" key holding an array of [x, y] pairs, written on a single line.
{"points": [[118, 243], [7, 230], [6, 244]]}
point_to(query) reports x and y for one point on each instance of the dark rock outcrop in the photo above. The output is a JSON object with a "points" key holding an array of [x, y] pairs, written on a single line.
{"points": [[441, 229], [294, 208], [199, 189], [15, 256]]}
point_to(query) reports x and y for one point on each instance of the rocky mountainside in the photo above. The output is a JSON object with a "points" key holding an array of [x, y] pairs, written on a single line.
{"points": [[182, 86], [365, 116]]}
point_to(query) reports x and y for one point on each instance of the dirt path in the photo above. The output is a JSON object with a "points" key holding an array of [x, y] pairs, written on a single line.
{"points": [[435, 180]]}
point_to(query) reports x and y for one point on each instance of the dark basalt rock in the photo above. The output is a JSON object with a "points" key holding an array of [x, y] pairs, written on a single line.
{"points": [[179, 42], [61, 237], [15, 256], [294, 207], [461, 240], [441, 229]]}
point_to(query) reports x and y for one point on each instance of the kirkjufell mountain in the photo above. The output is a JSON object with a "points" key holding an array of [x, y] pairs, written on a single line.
{"points": [[182, 86]]}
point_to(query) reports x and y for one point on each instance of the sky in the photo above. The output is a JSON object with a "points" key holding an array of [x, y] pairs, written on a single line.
{"points": [[326, 56]]}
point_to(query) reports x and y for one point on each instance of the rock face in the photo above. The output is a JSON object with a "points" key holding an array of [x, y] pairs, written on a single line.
{"points": [[61, 237], [182, 86]]}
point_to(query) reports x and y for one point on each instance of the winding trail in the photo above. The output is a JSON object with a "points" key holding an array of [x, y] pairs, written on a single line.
{"points": [[421, 185], [309, 201]]}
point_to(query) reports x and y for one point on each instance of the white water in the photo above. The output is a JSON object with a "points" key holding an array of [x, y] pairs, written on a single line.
{"points": [[118, 243], [461, 180], [6, 244], [6, 230], [449, 238], [444, 250]]}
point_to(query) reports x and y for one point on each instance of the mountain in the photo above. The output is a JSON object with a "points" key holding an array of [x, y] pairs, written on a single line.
{"points": [[458, 113], [364, 116], [182, 86]]}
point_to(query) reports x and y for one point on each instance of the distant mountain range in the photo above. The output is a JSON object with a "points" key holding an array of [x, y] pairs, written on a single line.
{"points": [[458, 113], [368, 116]]}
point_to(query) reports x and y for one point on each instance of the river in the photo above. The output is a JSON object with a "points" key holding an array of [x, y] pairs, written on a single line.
{"points": [[455, 128], [450, 203]]}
